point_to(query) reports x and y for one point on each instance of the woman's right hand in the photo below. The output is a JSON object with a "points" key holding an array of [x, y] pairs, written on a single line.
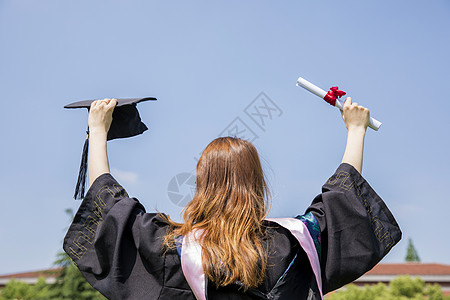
{"points": [[100, 119], [355, 116], [100, 115], [356, 119]]}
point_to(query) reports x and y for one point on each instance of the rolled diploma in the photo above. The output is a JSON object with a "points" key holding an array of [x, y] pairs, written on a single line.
{"points": [[373, 123]]}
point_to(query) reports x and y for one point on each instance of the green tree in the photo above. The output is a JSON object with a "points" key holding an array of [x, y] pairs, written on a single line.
{"points": [[352, 292], [71, 285], [401, 288], [407, 286], [411, 253], [19, 290], [16, 290]]}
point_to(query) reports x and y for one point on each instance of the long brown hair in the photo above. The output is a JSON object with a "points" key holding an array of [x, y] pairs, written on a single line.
{"points": [[229, 204]]}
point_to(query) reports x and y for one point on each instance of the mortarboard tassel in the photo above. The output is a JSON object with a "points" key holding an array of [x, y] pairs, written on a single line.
{"points": [[81, 183]]}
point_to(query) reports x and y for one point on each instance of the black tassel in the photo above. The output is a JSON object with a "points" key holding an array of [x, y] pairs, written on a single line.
{"points": [[81, 182]]}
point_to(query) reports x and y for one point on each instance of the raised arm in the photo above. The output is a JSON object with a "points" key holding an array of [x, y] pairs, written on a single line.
{"points": [[100, 118], [356, 120]]}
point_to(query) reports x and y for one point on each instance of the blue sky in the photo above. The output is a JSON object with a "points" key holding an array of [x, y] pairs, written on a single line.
{"points": [[208, 62]]}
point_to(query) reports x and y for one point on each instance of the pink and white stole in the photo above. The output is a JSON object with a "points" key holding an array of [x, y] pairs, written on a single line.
{"points": [[191, 255]]}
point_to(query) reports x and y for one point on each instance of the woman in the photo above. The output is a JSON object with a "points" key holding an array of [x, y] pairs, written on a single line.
{"points": [[225, 248]]}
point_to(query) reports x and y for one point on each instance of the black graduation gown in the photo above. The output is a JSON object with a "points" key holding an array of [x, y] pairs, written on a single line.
{"points": [[118, 246]]}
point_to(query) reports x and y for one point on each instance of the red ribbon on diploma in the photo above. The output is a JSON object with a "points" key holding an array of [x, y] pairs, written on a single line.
{"points": [[333, 94]]}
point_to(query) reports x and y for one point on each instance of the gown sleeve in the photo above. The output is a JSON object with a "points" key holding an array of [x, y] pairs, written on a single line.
{"points": [[117, 246], [356, 228]]}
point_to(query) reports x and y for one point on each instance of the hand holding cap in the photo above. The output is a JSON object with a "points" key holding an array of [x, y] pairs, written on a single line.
{"points": [[125, 123]]}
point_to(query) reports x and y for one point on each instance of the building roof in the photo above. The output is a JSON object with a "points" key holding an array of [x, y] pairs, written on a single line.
{"points": [[34, 274], [410, 269], [31, 277]]}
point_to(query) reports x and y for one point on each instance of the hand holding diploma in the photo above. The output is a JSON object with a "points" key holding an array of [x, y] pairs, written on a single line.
{"points": [[332, 97]]}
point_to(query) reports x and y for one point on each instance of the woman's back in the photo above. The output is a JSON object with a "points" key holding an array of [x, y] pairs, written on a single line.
{"points": [[284, 257], [229, 206]]}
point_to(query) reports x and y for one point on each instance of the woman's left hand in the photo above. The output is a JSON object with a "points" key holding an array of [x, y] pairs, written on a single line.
{"points": [[100, 115]]}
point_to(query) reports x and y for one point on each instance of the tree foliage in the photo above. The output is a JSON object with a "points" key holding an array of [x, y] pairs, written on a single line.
{"points": [[24, 291], [69, 285], [411, 253], [401, 288]]}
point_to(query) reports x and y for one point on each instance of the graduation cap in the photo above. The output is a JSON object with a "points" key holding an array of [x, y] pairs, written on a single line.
{"points": [[126, 123]]}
